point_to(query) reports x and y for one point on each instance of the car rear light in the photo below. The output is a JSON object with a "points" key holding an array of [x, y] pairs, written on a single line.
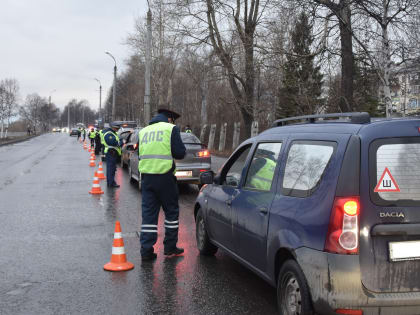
{"points": [[203, 153], [135, 146], [343, 229], [349, 312]]}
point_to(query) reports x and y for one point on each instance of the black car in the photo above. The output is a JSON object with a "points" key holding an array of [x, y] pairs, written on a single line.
{"points": [[196, 161], [327, 211], [74, 132], [130, 139]]}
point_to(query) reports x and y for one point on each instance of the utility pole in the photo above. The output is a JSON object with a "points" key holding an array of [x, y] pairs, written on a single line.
{"points": [[100, 102], [68, 116], [114, 86], [148, 67], [49, 105]]}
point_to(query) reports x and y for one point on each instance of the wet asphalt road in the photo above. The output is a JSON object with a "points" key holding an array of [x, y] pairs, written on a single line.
{"points": [[55, 238]]}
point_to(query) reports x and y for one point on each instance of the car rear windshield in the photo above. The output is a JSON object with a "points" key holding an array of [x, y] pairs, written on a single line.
{"points": [[189, 138], [395, 171]]}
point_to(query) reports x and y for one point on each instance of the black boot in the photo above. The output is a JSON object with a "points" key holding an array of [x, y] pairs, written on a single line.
{"points": [[147, 257], [173, 251]]}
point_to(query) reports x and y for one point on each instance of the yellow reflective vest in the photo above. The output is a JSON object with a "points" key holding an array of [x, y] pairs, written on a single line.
{"points": [[155, 155]]}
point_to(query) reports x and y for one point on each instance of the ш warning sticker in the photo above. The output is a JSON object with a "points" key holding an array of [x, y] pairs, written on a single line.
{"points": [[387, 182]]}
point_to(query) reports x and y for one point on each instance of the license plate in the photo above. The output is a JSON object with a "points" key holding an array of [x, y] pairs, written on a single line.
{"points": [[183, 174], [399, 251]]}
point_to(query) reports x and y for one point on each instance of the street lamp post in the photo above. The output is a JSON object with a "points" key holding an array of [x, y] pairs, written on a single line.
{"points": [[114, 85], [49, 97], [49, 105], [100, 101], [148, 68]]}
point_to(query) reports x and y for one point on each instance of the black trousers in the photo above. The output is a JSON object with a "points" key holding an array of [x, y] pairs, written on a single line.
{"points": [[159, 191], [111, 167]]}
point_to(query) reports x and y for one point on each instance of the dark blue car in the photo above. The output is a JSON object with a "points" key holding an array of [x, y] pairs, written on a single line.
{"points": [[326, 210]]}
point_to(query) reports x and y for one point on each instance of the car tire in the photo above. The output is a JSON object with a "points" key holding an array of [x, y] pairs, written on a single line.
{"points": [[293, 295], [199, 186], [205, 247]]}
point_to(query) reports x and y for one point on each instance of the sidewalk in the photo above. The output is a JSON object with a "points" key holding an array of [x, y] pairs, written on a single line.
{"points": [[13, 140]]}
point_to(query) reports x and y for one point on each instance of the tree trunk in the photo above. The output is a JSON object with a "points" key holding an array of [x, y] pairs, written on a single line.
{"points": [[204, 91], [347, 60]]}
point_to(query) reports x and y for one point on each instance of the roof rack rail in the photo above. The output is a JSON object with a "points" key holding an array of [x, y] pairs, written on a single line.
{"points": [[355, 118]]}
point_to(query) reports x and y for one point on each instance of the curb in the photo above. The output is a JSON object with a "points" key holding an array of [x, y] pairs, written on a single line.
{"points": [[18, 140]]}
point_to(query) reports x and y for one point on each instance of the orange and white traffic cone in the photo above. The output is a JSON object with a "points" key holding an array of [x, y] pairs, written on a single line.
{"points": [[100, 171], [96, 188], [118, 258], [93, 156], [92, 162], [84, 146]]}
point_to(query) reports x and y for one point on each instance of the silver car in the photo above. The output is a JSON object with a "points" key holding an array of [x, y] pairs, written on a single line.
{"points": [[188, 170]]}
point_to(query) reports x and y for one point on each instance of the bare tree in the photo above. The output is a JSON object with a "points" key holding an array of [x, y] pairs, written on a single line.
{"points": [[230, 28], [390, 16], [9, 94]]}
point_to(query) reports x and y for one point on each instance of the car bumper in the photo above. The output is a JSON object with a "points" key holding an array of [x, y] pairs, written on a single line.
{"points": [[335, 283], [195, 173]]}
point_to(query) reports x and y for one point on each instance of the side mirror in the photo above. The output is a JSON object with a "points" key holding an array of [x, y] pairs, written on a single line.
{"points": [[216, 179], [206, 178]]}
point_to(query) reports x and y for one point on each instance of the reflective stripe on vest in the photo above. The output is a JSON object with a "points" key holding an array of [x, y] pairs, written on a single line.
{"points": [[107, 146], [155, 155], [263, 178], [101, 135]]}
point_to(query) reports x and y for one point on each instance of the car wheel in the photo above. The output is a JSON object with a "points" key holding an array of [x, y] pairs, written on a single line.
{"points": [[203, 243], [293, 296], [199, 186], [130, 174]]}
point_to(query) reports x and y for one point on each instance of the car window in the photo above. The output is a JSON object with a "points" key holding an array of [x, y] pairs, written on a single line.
{"points": [[189, 138], [135, 137], [233, 173], [261, 171], [397, 172], [306, 163]]}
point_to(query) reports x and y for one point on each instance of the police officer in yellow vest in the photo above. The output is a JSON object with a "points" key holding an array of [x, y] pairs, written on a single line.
{"points": [[262, 170], [92, 135], [112, 151], [159, 144], [188, 129]]}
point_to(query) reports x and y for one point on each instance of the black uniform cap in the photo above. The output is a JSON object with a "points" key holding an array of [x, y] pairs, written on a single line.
{"points": [[168, 113], [114, 125]]}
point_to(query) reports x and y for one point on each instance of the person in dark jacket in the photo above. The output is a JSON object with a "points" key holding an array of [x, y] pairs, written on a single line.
{"points": [[159, 144], [98, 144], [112, 151]]}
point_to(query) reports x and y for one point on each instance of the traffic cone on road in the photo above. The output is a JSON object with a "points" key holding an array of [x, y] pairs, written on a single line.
{"points": [[118, 258], [92, 161], [100, 171], [96, 188], [93, 156], [84, 146]]}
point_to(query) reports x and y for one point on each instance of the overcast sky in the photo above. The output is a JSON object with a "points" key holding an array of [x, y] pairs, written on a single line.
{"points": [[60, 45]]}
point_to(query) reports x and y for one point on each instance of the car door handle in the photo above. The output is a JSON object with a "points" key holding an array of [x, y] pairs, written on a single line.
{"points": [[229, 202], [263, 210]]}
